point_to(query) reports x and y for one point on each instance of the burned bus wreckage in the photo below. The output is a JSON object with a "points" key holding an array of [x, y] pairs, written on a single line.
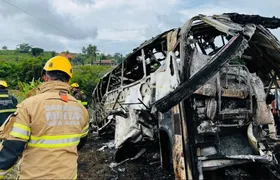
{"points": [[201, 90]]}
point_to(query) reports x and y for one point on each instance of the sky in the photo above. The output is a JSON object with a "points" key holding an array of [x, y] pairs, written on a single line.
{"points": [[111, 25]]}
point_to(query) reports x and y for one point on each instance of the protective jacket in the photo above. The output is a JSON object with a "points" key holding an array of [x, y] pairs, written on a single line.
{"points": [[47, 128], [8, 105], [81, 97]]}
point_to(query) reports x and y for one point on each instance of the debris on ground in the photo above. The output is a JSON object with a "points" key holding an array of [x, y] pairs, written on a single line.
{"points": [[94, 164]]}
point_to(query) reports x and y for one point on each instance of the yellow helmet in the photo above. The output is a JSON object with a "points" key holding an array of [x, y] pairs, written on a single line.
{"points": [[59, 63], [75, 85], [3, 83]]}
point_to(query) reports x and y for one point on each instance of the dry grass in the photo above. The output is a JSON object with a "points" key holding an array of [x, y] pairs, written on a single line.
{"points": [[12, 174]]}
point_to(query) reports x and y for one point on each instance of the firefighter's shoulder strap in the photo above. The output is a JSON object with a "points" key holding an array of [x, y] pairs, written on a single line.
{"points": [[63, 96]]}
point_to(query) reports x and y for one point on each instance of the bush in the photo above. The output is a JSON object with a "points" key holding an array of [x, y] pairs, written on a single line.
{"points": [[88, 76], [18, 68], [9, 73], [27, 88], [31, 69], [25, 71], [20, 97]]}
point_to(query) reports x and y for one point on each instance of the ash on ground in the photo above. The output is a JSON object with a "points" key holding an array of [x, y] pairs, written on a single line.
{"points": [[98, 153]]}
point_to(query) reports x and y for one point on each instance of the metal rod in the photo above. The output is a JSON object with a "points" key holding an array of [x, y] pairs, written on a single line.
{"points": [[239, 78], [270, 85], [143, 62], [143, 103], [276, 92], [219, 93], [226, 76], [129, 103], [105, 125], [122, 74], [121, 106], [200, 171], [223, 39], [108, 84]]}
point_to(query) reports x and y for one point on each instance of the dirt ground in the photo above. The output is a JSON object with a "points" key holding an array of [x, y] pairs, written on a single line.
{"points": [[94, 163]]}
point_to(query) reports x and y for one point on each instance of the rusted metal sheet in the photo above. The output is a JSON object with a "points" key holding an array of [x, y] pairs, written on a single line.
{"points": [[178, 158], [178, 150], [234, 93], [186, 144]]}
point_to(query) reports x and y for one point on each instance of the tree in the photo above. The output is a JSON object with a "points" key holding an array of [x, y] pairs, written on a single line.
{"points": [[4, 48], [53, 53], [23, 48], [88, 76], [78, 60], [84, 50], [102, 56], [9, 72], [118, 57], [36, 51], [30, 68], [91, 51], [109, 56]]}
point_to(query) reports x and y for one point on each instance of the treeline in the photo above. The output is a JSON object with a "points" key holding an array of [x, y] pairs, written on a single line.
{"points": [[26, 70], [91, 54], [25, 48], [22, 64], [88, 55], [25, 65]]}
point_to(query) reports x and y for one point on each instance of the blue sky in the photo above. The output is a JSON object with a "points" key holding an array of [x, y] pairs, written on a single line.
{"points": [[112, 25]]}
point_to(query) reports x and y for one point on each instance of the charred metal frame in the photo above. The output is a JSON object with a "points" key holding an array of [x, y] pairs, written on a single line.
{"points": [[142, 94]]}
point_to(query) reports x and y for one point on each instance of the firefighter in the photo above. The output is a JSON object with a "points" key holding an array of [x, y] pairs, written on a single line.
{"points": [[78, 94], [47, 129], [8, 102]]}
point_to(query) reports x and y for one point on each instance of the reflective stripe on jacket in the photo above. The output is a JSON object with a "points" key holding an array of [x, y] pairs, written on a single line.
{"points": [[52, 124], [84, 103], [7, 105]]}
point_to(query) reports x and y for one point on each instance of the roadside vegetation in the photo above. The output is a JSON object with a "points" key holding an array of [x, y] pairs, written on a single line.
{"points": [[22, 67]]}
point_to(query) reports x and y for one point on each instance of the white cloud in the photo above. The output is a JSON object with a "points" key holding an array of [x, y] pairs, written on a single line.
{"points": [[119, 35], [112, 25]]}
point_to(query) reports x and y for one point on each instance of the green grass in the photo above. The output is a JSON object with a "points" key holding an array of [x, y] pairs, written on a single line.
{"points": [[20, 96], [15, 56]]}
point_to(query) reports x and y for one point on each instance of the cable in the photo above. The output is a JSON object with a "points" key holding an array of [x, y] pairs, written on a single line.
{"points": [[38, 19]]}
